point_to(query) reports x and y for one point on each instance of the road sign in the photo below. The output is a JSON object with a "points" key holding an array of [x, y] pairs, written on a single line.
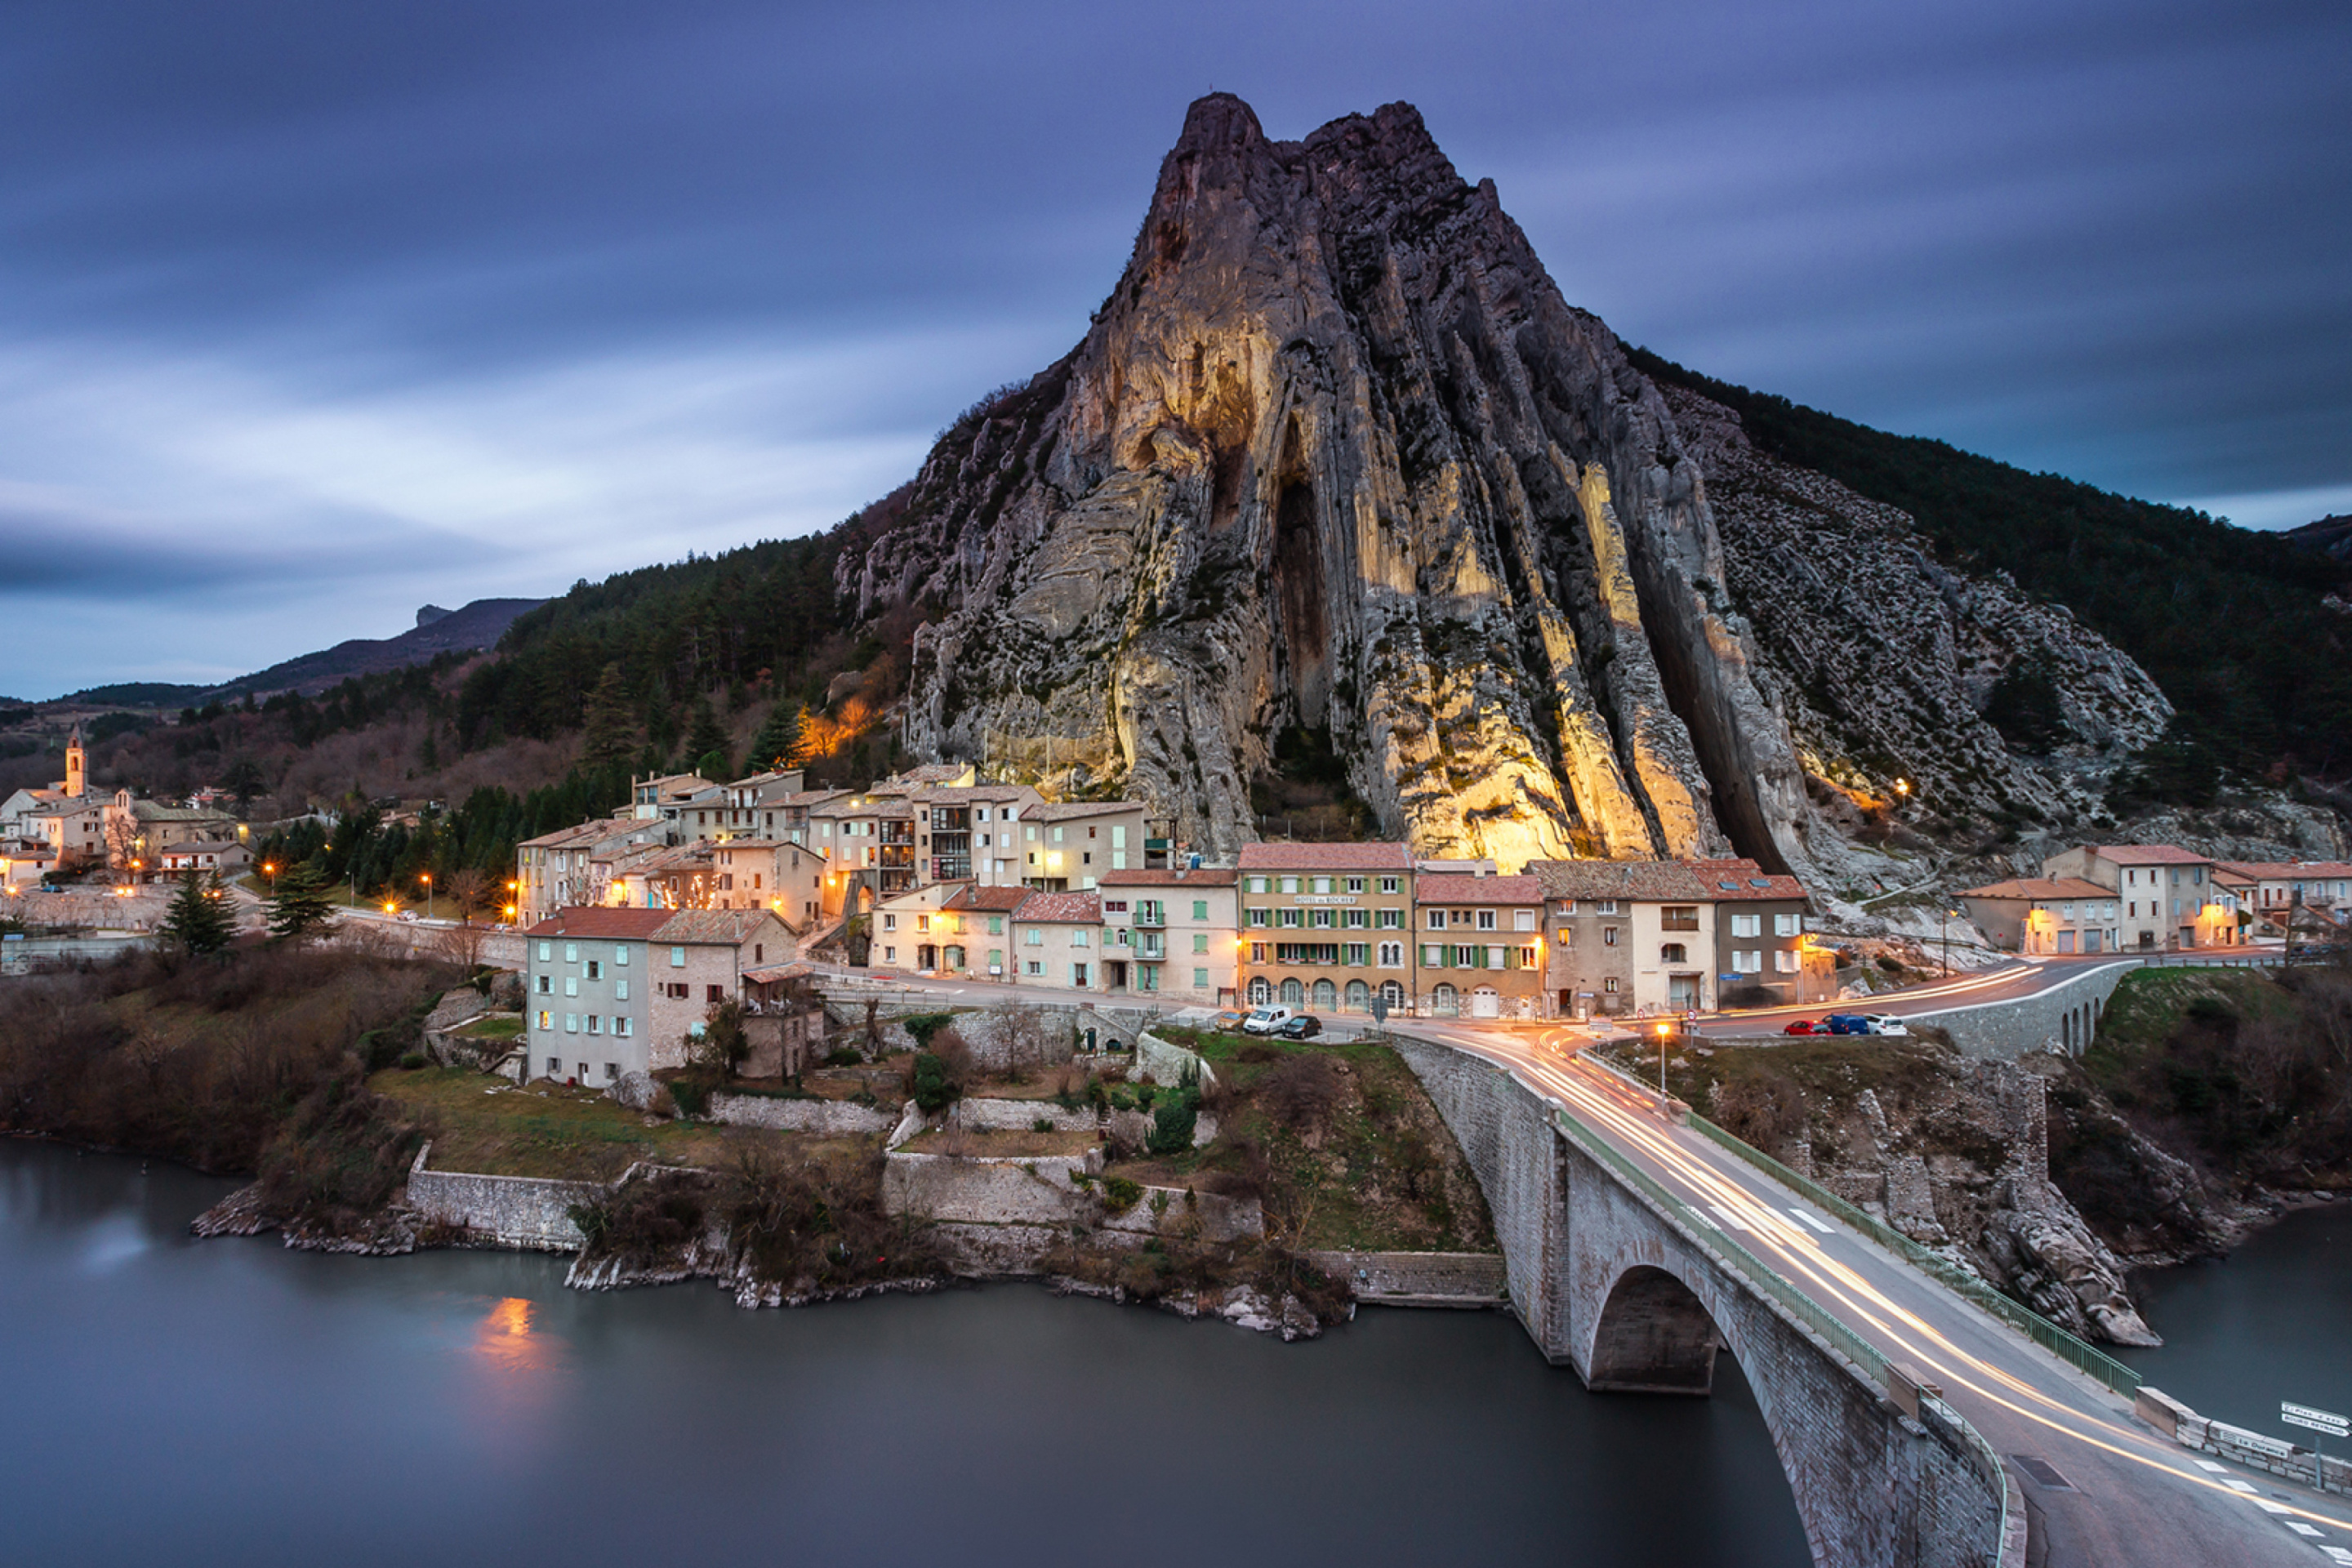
{"points": [[2326, 1421], [1380, 1009]]}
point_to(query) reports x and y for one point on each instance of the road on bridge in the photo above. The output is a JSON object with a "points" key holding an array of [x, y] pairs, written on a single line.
{"points": [[2124, 1495]]}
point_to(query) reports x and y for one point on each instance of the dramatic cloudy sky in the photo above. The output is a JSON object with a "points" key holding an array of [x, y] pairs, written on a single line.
{"points": [[311, 312]]}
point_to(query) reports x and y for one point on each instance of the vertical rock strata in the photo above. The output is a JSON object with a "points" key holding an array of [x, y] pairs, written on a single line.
{"points": [[1336, 453]]}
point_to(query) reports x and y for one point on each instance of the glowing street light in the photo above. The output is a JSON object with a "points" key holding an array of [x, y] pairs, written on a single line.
{"points": [[427, 878], [1664, 1029]]}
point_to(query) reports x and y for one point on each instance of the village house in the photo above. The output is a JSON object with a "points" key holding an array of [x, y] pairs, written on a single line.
{"points": [[2267, 889], [771, 874], [2054, 915], [1072, 845], [19, 810], [140, 832], [1171, 933], [1056, 941], [1762, 956], [1480, 941], [614, 991], [664, 876], [954, 930], [755, 808], [968, 832], [900, 929], [225, 857], [575, 865], [1326, 926], [1626, 936], [2169, 896]]}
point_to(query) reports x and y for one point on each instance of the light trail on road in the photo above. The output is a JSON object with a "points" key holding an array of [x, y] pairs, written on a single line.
{"points": [[1629, 1117]]}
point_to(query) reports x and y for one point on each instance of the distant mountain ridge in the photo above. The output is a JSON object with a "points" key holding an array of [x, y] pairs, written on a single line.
{"points": [[2331, 536], [478, 625]]}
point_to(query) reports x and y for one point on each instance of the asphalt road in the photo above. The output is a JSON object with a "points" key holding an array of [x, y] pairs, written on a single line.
{"points": [[2130, 1497]]}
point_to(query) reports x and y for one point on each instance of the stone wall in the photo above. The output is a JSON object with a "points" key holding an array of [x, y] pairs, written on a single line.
{"points": [[995, 1036], [1193, 1217], [1162, 1062], [524, 1211], [821, 1118], [1019, 1116], [2063, 1018], [1420, 1279], [2290, 1461]]}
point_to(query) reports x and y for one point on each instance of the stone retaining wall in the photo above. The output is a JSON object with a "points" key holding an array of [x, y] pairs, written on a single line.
{"points": [[1163, 1062], [2063, 1018], [2289, 1461], [1420, 1279], [821, 1118], [1019, 1116], [525, 1212]]}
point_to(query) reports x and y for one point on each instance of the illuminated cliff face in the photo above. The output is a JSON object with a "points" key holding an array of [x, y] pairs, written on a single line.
{"points": [[1336, 453]]}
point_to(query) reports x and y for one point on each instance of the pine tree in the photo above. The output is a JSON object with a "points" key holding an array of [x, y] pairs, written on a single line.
{"points": [[608, 729], [198, 919], [300, 905], [704, 737], [779, 743]]}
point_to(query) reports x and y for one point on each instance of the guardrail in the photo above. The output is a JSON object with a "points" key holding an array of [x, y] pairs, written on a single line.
{"points": [[2095, 1363], [1824, 1324]]}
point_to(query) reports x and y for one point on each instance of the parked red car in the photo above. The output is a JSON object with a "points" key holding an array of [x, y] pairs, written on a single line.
{"points": [[1807, 1026]]}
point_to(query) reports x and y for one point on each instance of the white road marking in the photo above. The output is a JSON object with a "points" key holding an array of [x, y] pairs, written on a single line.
{"points": [[1730, 1217], [2210, 1466], [2269, 1507], [1809, 1220], [2238, 1487], [2338, 1554], [2300, 1528]]}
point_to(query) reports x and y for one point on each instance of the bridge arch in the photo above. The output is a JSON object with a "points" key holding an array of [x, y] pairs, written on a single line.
{"points": [[1653, 1336]]}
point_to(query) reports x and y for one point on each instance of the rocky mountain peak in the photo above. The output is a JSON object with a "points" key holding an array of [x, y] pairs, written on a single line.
{"points": [[1337, 456]]}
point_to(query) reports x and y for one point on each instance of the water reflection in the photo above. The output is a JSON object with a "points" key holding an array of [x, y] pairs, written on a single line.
{"points": [[233, 1402]]}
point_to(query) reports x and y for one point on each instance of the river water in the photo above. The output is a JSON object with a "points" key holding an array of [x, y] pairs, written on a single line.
{"points": [[2273, 1322], [165, 1400]]}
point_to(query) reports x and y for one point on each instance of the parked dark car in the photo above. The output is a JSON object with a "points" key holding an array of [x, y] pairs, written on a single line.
{"points": [[1305, 1026], [1847, 1024]]}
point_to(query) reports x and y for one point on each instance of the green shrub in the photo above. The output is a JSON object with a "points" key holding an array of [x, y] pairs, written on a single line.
{"points": [[1041, 1124], [687, 1096], [1173, 1124], [413, 1060], [844, 1057], [923, 1026], [1120, 1193], [935, 1087]]}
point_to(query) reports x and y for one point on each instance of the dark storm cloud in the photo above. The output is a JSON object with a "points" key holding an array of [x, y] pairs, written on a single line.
{"points": [[428, 300]]}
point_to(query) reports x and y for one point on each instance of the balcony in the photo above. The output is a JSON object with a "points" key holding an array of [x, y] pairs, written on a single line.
{"points": [[1151, 948], [1150, 917]]}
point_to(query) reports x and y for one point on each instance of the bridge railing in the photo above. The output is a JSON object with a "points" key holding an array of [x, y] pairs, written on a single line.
{"points": [[2008, 1532], [2095, 1363]]}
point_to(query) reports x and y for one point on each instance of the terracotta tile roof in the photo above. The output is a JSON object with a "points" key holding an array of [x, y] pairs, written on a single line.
{"points": [[972, 896], [1520, 889], [977, 794], [2151, 854], [600, 923], [1072, 810], [1206, 877], [1644, 881], [1746, 879], [725, 928], [2040, 887], [1061, 908], [2288, 870], [1278, 856], [810, 797]]}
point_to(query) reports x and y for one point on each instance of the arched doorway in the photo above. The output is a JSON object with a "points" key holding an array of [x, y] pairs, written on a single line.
{"points": [[1445, 1002], [1261, 991], [1327, 995], [1358, 998], [1654, 1336], [1393, 993], [1293, 994]]}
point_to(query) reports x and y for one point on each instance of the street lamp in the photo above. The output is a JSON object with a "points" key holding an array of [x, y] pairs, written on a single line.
{"points": [[1664, 1029], [427, 878]]}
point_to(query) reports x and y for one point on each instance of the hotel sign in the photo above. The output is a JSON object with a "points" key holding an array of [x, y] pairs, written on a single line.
{"points": [[1327, 897]]}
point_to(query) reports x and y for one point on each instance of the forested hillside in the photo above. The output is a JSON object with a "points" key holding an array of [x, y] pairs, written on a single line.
{"points": [[2231, 623]]}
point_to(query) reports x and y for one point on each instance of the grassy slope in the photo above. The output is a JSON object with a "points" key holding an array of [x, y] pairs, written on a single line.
{"points": [[1344, 1184]]}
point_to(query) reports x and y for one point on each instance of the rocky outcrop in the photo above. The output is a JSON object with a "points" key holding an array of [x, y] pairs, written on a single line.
{"points": [[1953, 1153], [1885, 663], [1337, 454]]}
